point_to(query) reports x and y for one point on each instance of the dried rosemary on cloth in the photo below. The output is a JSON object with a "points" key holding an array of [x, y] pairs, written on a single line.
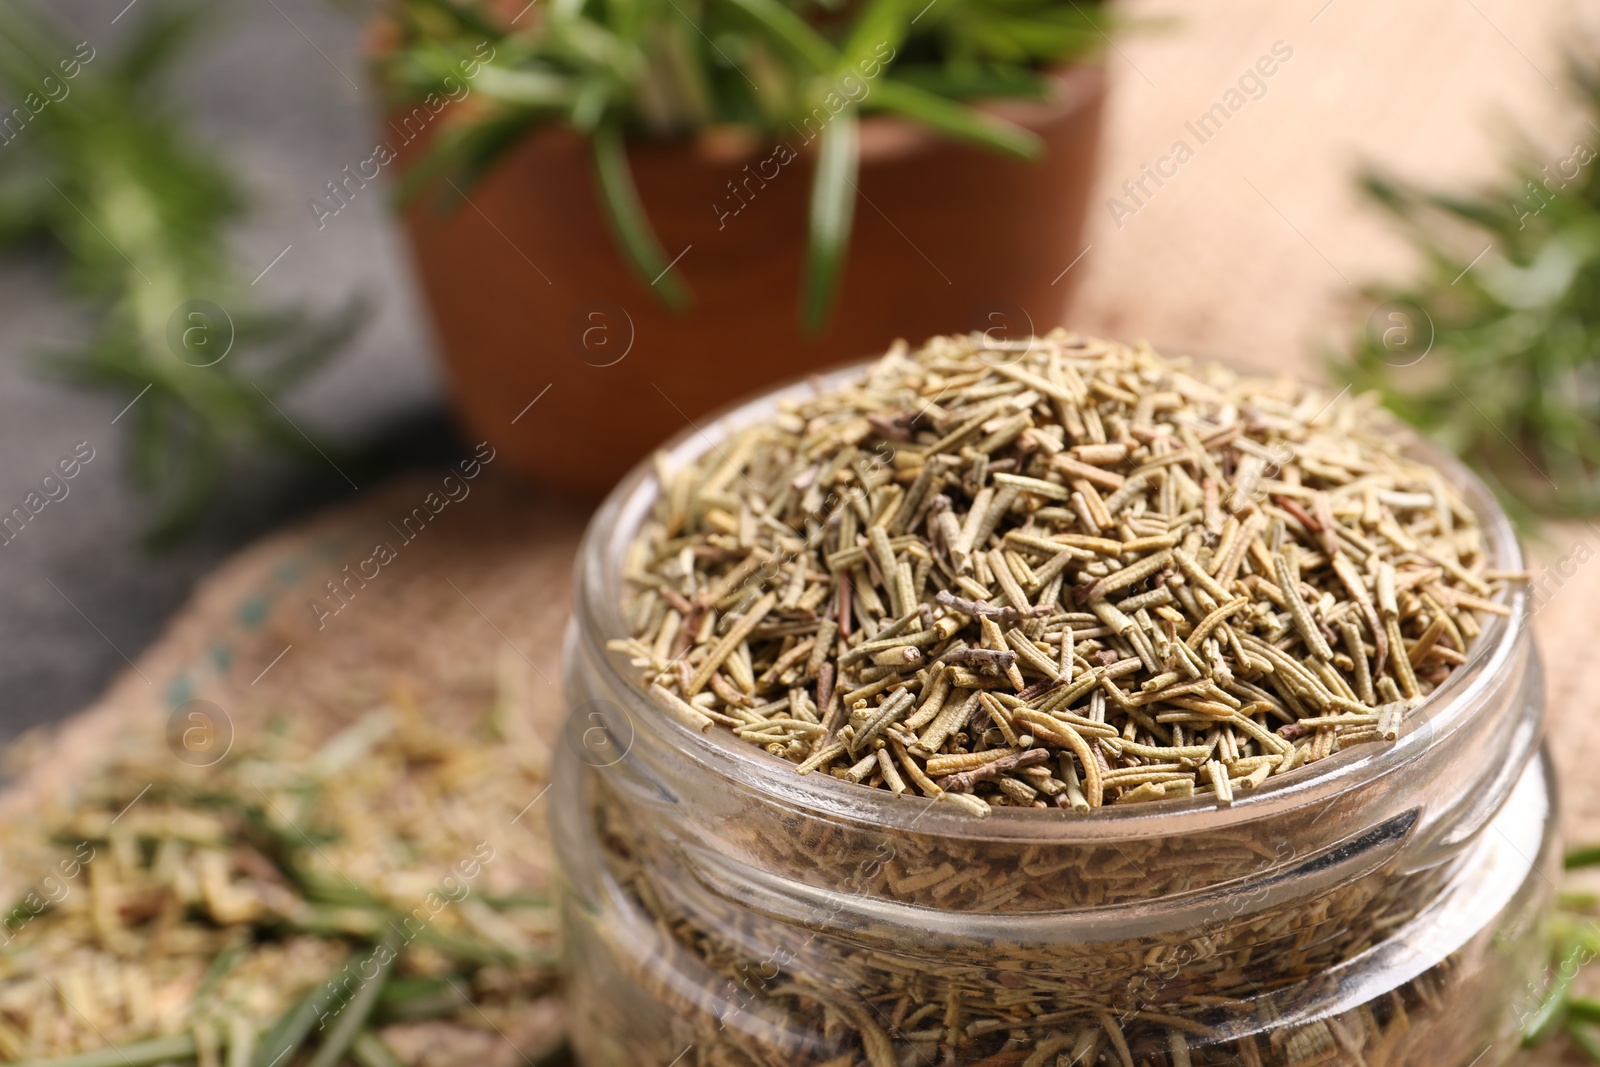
{"points": [[307, 900], [1060, 572]]}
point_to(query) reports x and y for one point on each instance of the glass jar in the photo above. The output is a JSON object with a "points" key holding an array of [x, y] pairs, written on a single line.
{"points": [[722, 910]]}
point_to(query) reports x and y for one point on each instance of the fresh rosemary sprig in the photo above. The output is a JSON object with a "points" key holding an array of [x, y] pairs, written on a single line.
{"points": [[665, 68], [1574, 944], [143, 212], [1509, 299], [290, 901]]}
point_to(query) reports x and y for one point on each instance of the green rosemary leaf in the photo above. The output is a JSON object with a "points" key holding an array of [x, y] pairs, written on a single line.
{"points": [[1586, 1039], [294, 1026], [535, 88], [161, 1050], [310, 344], [1577, 900], [833, 197], [416, 999], [677, 57], [628, 219], [352, 1018], [461, 157], [969, 83], [790, 31], [880, 24], [955, 120], [157, 42], [220, 966], [590, 102], [1553, 1009]]}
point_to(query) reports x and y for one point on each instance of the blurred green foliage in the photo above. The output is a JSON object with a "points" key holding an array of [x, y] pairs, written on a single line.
{"points": [[795, 70], [1509, 294], [94, 158], [1565, 1006]]}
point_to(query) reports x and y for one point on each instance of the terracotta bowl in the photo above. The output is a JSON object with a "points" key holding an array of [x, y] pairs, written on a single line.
{"points": [[533, 304]]}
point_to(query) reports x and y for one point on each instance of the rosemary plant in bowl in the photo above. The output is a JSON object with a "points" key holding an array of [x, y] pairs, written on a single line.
{"points": [[677, 170], [661, 68]]}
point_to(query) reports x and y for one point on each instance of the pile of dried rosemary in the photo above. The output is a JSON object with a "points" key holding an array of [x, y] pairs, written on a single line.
{"points": [[307, 900], [1062, 571]]}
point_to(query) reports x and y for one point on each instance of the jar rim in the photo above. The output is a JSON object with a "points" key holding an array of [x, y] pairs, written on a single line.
{"points": [[598, 618]]}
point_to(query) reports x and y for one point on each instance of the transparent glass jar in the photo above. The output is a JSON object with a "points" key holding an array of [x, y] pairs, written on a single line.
{"points": [[721, 910]]}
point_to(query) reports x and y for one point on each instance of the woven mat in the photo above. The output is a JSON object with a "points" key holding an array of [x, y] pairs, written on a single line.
{"points": [[1254, 251]]}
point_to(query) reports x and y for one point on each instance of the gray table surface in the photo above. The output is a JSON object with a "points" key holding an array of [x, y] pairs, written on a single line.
{"points": [[277, 89]]}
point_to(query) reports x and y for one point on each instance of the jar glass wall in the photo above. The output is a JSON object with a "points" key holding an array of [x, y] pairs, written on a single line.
{"points": [[721, 909]]}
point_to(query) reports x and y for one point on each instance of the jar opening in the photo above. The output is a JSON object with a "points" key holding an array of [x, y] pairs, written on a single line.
{"points": [[599, 618]]}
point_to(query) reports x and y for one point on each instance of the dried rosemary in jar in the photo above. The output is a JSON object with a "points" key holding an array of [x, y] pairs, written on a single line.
{"points": [[819, 636], [1063, 572]]}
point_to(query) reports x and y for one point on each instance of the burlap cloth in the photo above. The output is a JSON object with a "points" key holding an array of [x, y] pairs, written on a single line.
{"points": [[468, 613], [485, 581], [1254, 251]]}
